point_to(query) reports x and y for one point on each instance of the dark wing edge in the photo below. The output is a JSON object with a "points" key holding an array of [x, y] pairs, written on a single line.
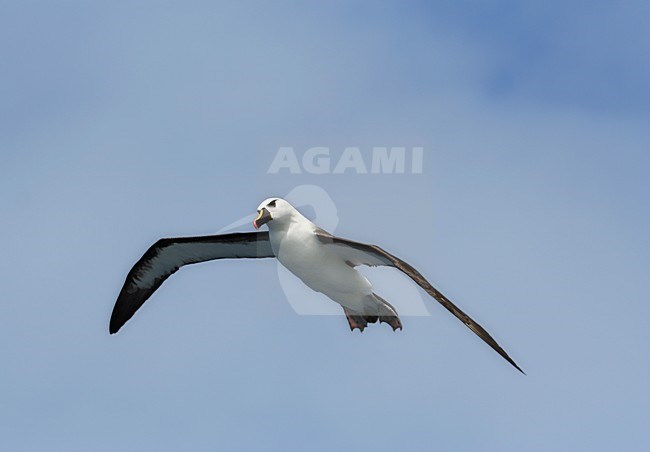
{"points": [[382, 257], [167, 256]]}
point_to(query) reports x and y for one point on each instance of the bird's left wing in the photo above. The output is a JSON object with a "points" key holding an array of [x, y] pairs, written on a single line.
{"points": [[166, 256], [355, 253]]}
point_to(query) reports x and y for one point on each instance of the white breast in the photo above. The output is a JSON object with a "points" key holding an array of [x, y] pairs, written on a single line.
{"points": [[321, 269]]}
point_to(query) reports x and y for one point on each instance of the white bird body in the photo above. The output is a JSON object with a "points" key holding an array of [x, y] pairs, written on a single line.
{"points": [[299, 250]]}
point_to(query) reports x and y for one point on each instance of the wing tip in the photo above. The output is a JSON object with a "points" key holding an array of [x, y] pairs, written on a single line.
{"points": [[115, 324], [112, 328], [514, 364]]}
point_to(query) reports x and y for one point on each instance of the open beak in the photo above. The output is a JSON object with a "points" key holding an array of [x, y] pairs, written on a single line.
{"points": [[263, 217]]}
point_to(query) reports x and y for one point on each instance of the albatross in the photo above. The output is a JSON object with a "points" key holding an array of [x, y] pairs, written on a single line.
{"points": [[324, 262]]}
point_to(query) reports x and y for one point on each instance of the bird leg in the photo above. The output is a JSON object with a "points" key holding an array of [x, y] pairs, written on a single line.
{"points": [[387, 313], [355, 320], [392, 320]]}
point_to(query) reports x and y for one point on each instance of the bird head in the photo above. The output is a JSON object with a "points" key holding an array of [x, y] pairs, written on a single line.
{"points": [[273, 209]]}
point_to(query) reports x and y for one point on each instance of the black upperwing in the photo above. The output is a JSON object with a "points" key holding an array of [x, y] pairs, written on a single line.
{"points": [[166, 256], [357, 253]]}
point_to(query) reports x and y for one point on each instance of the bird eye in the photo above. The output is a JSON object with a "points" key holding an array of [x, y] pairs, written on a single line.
{"points": [[271, 204]]}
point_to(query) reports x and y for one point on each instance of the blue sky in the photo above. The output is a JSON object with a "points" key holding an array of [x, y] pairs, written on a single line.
{"points": [[122, 123]]}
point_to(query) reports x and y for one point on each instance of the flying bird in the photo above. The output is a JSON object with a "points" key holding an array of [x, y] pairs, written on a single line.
{"points": [[324, 262]]}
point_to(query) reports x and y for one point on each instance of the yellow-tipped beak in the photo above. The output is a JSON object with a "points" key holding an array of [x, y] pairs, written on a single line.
{"points": [[263, 217]]}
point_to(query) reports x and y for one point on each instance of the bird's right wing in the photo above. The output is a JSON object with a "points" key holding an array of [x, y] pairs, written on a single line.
{"points": [[356, 253], [166, 256]]}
